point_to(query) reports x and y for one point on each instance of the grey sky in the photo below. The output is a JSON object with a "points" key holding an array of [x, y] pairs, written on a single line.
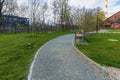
{"points": [[114, 5]]}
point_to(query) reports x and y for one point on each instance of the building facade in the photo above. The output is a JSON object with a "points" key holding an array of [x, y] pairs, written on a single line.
{"points": [[14, 24], [113, 21]]}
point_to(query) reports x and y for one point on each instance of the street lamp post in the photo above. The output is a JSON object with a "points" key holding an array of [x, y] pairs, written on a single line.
{"points": [[97, 23]]}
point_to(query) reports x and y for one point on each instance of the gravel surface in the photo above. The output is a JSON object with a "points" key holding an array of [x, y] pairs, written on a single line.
{"points": [[114, 71], [58, 60], [103, 31]]}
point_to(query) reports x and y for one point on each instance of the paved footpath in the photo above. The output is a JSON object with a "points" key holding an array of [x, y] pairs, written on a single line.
{"points": [[58, 60]]}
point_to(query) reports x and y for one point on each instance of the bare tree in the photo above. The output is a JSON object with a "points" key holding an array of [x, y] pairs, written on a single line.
{"points": [[38, 9], [23, 10], [61, 12], [1, 8], [56, 13], [7, 7], [41, 14], [34, 4], [87, 18], [10, 7], [78, 17]]}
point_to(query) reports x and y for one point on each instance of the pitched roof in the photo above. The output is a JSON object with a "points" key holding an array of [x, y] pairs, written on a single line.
{"points": [[11, 16], [113, 15]]}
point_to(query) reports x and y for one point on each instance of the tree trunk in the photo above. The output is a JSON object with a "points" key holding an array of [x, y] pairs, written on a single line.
{"points": [[1, 7]]}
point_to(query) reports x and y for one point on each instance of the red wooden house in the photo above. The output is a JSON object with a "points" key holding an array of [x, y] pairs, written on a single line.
{"points": [[113, 21]]}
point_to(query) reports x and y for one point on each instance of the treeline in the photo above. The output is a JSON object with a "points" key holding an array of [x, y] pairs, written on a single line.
{"points": [[54, 15]]}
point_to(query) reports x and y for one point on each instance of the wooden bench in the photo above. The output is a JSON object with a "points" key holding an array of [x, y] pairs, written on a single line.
{"points": [[79, 37]]}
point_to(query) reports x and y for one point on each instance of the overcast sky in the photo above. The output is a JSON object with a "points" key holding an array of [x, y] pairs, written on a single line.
{"points": [[114, 5]]}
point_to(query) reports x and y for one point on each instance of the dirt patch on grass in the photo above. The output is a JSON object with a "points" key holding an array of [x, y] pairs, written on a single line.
{"points": [[113, 40]]}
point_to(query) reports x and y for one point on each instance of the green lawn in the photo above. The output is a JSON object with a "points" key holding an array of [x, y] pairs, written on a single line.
{"points": [[114, 30], [101, 50], [17, 52]]}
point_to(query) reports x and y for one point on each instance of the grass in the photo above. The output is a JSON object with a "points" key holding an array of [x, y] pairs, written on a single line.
{"points": [[114, 30], [101, 50], [17, 52]]}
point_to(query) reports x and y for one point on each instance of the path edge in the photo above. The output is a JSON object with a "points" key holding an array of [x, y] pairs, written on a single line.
{"points": [[93, 62], [29, 77], [33, 62]]}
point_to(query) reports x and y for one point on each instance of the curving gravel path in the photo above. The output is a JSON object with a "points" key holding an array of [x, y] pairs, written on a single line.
{"points": [[58, 60]]}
